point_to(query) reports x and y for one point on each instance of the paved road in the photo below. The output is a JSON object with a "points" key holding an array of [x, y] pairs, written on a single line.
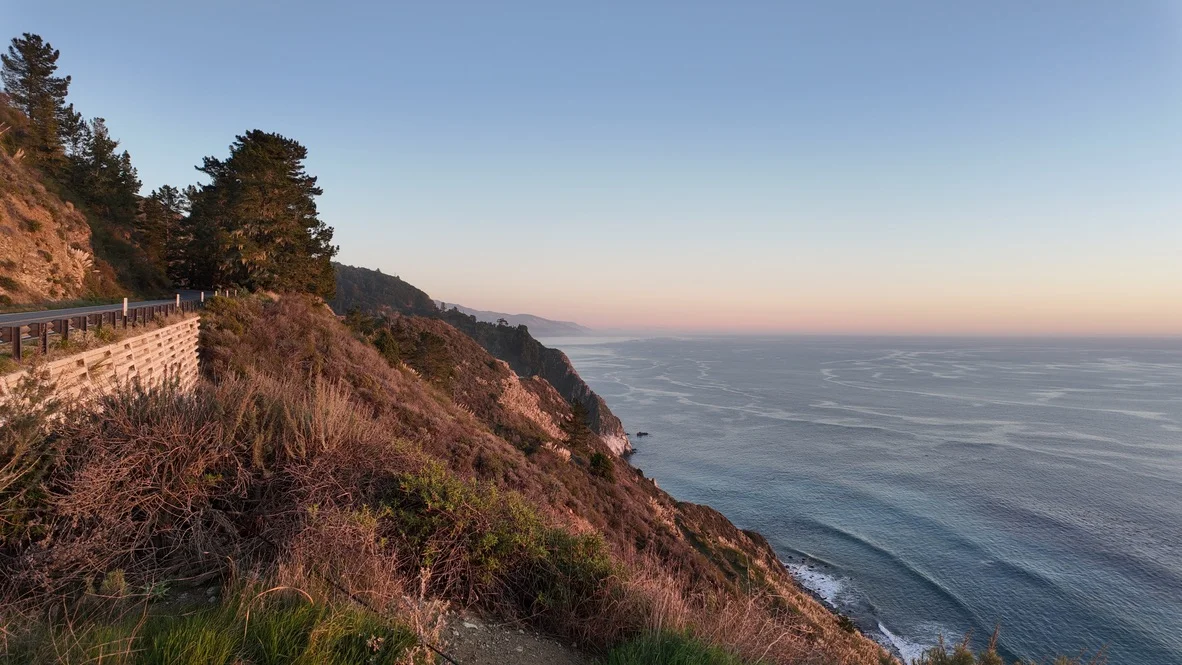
{"points": [[25, 318]]}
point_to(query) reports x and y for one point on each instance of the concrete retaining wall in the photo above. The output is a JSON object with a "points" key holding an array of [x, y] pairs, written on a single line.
{"points": [[168, 353]]}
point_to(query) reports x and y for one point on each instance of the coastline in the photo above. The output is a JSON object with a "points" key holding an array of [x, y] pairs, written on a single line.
{"points": [[827, 589]]}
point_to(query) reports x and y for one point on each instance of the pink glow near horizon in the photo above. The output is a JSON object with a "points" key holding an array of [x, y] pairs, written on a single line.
{"points": [[1119, 309]]}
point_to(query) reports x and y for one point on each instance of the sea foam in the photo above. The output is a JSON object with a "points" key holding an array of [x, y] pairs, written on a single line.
{"points": [[828, 587]]}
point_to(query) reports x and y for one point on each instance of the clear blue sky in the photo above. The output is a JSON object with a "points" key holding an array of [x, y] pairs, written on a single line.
{"points": [[938, 166]]}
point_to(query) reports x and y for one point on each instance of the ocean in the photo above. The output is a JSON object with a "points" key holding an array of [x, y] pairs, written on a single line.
{"points": [[930, 487]]}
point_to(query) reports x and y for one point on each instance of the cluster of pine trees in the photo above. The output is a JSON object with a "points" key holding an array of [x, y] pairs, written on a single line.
{"points": [[253, 225]]}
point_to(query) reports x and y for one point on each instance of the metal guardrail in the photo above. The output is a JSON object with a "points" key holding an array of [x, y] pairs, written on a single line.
{"points": [[36, 329]]}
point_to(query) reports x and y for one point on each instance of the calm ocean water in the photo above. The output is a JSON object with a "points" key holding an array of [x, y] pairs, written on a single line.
{"points": [[933, 486]]}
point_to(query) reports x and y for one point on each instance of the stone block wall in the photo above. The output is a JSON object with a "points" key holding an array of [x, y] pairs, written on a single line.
{"points": [[168, 353]]}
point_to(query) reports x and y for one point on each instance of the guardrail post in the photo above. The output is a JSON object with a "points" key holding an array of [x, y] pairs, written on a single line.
{"points": [[63, 329], [15, 333], [43, 329], [84, 322]]}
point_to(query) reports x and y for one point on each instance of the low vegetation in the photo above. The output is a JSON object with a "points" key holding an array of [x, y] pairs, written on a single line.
{"points": [[670, 649], [260, 628], [310, 461]]}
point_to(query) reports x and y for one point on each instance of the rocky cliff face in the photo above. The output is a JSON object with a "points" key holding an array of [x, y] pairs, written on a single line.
{"points": [[372, 291], [528, 357]]}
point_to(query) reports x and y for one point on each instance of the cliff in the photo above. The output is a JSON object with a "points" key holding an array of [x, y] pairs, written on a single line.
{"points": [[45, 248], [529, 357], [372, 291]]}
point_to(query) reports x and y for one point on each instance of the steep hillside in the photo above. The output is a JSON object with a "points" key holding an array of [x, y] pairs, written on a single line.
{"points": [[371, 291], [525, 411], [310, 454], [529, 357], [45, 244], [52, 247]]}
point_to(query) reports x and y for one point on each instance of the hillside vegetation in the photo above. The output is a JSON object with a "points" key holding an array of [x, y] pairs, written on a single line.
{"points": [[74, 223], [310, 455], [373, 292]]}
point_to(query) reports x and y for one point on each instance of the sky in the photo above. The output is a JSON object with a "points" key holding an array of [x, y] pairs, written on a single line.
{"points": [[1002, 167]]}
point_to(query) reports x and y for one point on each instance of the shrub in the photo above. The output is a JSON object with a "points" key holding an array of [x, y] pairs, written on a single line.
{"points": [[602, 466], [962, 654], [8, 283], [669, 649]]}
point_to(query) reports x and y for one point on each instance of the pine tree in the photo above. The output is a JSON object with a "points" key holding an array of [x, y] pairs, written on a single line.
{"points": [[259, 211], [28, 75], [107, 180], [75, 135], [74, 132], [161, 232]]}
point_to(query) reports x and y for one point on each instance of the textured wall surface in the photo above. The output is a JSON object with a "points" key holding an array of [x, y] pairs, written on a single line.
{"points": [[169, 353]]}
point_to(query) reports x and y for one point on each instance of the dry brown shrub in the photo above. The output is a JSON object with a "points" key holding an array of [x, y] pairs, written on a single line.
{"points": [[755, 626], [267, 470]]}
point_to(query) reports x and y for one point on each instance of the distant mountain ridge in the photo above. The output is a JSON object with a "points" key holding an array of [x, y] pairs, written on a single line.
{"points": [[537, 325]]}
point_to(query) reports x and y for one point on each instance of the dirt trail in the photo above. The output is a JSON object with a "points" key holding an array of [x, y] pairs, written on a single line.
{"points": [[473, 641]]}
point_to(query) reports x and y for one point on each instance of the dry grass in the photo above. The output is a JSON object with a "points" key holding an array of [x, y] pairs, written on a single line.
{"points": [[310, 462]]}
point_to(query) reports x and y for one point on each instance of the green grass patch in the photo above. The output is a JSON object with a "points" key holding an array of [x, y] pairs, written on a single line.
{"points": [[283, 632], [670, 649]]}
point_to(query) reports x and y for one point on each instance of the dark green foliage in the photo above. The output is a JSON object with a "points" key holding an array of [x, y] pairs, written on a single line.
{"points": [[162, 232], [102, 175], [371, 291], [259, 214], [576, 430], [482, 543], [601, 465], [669, 649], [28, 73], [80, 163], [25, 444], [962, 654], [438, 515], [8, 284]]}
